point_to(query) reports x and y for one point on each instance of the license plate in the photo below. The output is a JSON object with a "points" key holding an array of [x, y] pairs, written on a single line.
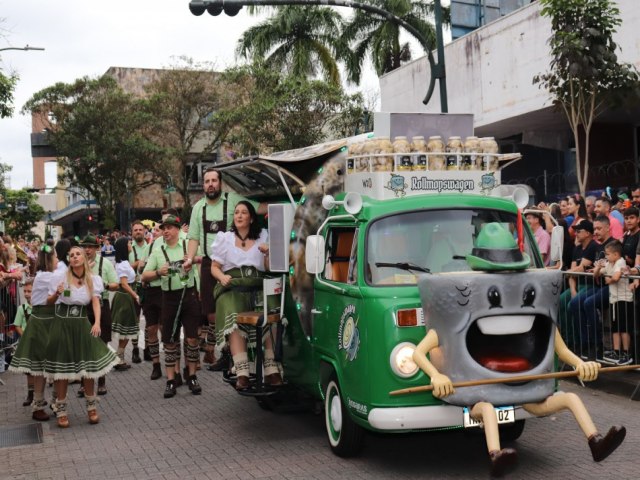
{"points": [[503, 414]]}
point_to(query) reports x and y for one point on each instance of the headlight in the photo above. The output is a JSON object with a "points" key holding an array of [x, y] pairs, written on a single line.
{"points": [[401, 360]]}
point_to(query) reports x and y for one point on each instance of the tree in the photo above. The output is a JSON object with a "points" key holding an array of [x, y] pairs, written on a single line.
{"points": [[274, 112], [103, 137], [185, 99], [7, 86], [298, 40], [22, 213], [371, 35], [585, 77]]}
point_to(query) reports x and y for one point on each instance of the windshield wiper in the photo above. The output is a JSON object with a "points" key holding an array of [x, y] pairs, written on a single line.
{"points": [[404, 266]]}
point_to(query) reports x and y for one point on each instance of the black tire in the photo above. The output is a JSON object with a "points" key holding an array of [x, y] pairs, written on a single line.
{"points": [[346, 438], [512, 431]]}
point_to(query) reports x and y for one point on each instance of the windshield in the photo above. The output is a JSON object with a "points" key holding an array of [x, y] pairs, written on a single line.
{"points": [[399, 247]]}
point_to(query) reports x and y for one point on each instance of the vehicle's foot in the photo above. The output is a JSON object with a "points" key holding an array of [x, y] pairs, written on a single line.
{"points": [[601, 447], [503, 461]]}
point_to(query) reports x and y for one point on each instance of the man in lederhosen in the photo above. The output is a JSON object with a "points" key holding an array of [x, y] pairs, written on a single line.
{"points": [[213, 213], [180, 304], [105, 270], [137, 258]]}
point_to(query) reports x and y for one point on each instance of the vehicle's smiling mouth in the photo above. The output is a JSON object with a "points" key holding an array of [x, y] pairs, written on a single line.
{"points": [[509, 343]]}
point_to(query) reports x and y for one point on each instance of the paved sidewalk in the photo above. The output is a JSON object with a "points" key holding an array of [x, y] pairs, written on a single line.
{"points": [[222, 435]]}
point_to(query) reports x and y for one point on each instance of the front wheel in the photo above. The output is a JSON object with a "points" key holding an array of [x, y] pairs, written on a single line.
{"points": [[346, 438]]}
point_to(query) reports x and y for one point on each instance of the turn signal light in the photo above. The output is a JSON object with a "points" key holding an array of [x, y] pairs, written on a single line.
{"points": [[410, 318]]}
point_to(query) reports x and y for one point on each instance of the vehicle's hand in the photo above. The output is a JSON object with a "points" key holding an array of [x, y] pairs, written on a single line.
{"points": [[442, 385], [588, 371], [95, 330]]}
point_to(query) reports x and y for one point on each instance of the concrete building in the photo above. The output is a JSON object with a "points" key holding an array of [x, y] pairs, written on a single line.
{"points": [[490, 73]]}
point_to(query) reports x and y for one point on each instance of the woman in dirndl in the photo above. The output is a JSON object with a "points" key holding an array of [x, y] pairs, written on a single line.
{"points": [[74, 351], [239, 261], [124, 321], [30, 355]]}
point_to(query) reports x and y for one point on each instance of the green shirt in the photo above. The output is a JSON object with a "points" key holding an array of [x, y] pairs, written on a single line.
{"points": [[157, 259], [108, 274], [213, 213], [21, 316], [137, 252]]}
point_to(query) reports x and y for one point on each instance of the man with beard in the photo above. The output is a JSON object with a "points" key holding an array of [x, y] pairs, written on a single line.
{"points": [[213, 213], [137, 257]]}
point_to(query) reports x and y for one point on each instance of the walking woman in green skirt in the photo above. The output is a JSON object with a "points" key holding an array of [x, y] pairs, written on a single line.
{"points": [[30, 355], [74, 350], [124, 321]]}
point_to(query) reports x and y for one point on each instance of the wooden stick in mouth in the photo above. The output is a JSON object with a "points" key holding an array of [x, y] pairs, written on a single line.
{"points": [[516, 379]]}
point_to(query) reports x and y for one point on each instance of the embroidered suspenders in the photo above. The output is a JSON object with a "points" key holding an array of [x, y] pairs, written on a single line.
{"points": [[214, 226]]}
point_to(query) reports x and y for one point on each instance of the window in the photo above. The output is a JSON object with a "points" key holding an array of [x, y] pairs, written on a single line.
{"points": [[341, 255], [400, 247]]}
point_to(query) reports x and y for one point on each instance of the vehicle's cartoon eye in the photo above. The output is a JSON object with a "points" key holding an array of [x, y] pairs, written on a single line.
{"points": [[494, 298], [528, 296]]}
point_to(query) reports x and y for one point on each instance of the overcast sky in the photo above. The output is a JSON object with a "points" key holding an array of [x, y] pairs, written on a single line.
{"points": [[86, 38]]}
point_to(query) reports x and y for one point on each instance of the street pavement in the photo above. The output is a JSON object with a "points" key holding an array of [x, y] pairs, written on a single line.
{"points": [[221, 435]]}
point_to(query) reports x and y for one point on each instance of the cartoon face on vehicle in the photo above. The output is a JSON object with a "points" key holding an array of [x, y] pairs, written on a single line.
{"points": [[488, 182], [397, 185], [493, 325]]}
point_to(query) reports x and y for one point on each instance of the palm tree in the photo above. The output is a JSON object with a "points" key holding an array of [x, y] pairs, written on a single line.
{"points": [[376, 36], [299, 40]]}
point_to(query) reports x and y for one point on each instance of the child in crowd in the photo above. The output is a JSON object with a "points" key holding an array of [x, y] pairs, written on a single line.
{"points": [[621, 301], [20, 323]]}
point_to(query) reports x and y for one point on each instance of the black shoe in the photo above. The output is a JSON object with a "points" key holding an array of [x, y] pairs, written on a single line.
{"points": [[503, 461], [178, 380], [29, 399], [80, 392], [146, 355], [194, 386], [156, 373], [170, 390], [135, 355], [185, 373], [601, 447], [221, 364]]}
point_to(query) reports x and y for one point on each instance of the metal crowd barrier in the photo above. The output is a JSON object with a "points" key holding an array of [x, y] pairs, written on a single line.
{"points": [[591, 326]]}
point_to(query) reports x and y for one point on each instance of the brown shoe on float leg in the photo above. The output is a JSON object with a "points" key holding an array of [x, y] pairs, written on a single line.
{"points": [[274, 380], [503, 461], [601, 447]]}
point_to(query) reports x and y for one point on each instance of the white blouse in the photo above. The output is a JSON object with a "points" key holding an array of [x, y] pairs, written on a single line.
{"points": [[40, 290], [225, 252], [124, 269], [78, 295]]}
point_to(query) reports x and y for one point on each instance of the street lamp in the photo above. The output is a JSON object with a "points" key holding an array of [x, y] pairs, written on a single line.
{"points": [[437, 70], [26, 47]]}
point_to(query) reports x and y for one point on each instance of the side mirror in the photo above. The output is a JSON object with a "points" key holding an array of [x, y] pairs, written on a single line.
{"points": [[314, 255], [557, 243]]}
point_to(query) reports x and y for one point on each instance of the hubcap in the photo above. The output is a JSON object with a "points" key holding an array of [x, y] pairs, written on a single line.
{"points": [[336, 413]]}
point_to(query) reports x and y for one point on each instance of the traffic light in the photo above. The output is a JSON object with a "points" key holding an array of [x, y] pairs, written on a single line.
{"points": [[216, 7], [90, 217]]}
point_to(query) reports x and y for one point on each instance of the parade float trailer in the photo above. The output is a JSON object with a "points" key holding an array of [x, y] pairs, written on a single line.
{"points": [[351, 233]]}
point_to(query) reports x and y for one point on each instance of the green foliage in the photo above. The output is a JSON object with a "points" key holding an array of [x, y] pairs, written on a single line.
{"points": [[184, 100], [300, 41], [585, 77], [103, 137], [7, 86], [22, 212], [276, 112], [379, 38]]}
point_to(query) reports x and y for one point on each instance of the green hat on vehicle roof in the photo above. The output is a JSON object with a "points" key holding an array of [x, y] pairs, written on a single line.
{"points": [[89, 241], [496, 249]]}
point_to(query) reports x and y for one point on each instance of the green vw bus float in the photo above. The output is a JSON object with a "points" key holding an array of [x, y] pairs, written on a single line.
{"points": [[359, 248]]}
